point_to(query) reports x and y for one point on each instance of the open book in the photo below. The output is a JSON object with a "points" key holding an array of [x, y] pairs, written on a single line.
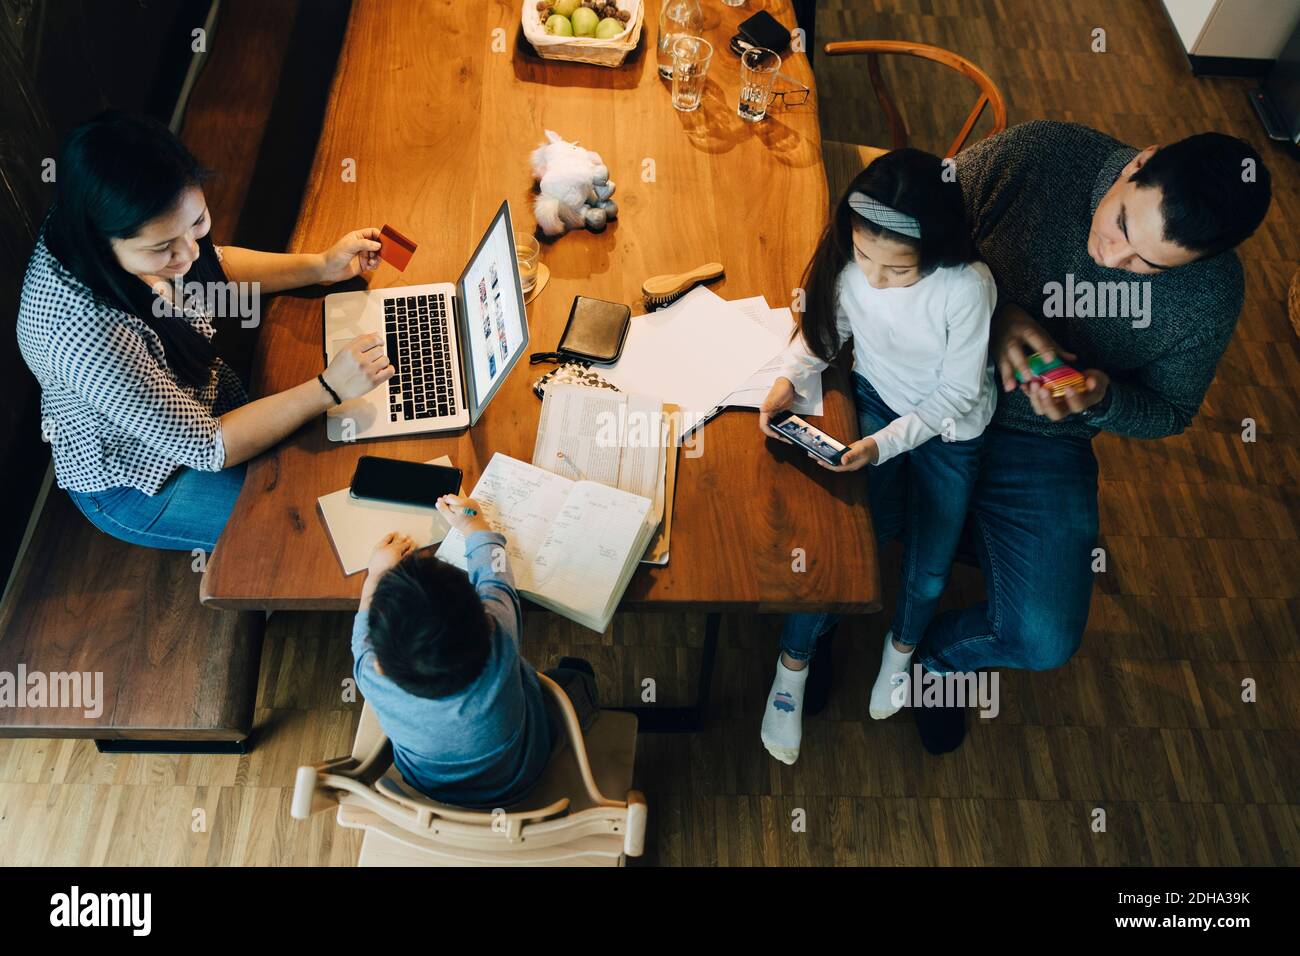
{"points": [[618, 439], [573, 545]]}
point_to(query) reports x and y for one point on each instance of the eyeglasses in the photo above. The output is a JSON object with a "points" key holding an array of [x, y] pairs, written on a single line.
{"points": [[794, 97]]}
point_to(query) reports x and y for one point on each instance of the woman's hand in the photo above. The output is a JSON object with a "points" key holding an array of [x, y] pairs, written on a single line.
{"points": [[355, 253], [861, 453], [780, 397], [463, 514], [361, 366], [1015, 336]]}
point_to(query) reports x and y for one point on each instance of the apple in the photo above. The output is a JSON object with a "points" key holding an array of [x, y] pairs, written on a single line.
{"points": [[565, 8], [585, 22], [559, 26], [609, 28]]}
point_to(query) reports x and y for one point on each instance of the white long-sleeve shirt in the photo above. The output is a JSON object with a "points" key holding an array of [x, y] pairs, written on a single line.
{"points": [[924, 348]]}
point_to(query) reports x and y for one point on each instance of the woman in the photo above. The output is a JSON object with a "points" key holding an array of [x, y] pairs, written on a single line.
{"points": [[896, 275], [149, 427]]}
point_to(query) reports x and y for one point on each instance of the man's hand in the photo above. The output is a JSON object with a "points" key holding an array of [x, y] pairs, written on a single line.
{"points": [[1072, 400], [780, 397], [463, 514], [861, 453], [1015, 337]]}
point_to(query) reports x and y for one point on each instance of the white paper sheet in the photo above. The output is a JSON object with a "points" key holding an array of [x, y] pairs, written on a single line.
{"points": [[780, 322], [355, 524], [694, 353]]}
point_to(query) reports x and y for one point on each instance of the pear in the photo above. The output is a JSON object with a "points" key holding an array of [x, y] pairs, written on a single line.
{"points": [[559, 26]]}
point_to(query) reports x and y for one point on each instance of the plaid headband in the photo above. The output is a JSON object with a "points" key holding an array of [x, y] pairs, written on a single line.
{"points": [[884, 216]]}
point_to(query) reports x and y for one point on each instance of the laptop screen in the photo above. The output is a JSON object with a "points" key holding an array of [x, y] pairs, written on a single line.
{"points": [[494, 326]]}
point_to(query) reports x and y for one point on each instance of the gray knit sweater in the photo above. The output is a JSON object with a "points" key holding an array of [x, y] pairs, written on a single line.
{"points": [[1030, 193]]}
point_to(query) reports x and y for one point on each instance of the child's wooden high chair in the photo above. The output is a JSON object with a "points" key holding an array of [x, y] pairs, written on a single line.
{"points": [[565, 821]]}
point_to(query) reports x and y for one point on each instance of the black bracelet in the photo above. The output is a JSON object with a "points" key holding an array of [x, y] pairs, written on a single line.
{"points": [[326, 385]]}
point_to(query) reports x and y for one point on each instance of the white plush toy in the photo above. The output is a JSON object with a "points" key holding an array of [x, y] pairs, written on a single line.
{"points": [[575, 188]]}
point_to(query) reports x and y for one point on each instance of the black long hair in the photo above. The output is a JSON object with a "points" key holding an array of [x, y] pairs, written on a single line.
{"points": [[911, 181], [117, 172]]}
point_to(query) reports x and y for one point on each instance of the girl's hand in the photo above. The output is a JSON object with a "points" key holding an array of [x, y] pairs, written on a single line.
{"points": [[355, 253], [454, 508], [388, 552], [361, 366], [780, 397], [861, 453]]}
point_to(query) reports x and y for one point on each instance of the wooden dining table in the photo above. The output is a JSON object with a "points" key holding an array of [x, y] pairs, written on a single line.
{"points": [[432, 114]]}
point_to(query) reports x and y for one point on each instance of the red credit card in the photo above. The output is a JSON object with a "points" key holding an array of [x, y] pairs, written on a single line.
{"points": [[395, 248]]}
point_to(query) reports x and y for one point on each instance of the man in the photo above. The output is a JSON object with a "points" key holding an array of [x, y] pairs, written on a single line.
{"points": [[1120, 262]]}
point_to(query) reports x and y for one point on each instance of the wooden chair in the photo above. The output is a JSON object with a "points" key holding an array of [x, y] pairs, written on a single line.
{"points": [[845, 160], [565, 821]]}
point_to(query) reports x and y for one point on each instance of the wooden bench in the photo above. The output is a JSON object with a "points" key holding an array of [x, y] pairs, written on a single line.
{"points": [[173, 675], [117, 630]]}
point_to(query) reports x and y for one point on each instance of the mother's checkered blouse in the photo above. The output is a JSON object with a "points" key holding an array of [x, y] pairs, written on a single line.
{"points": [[112, 409]]}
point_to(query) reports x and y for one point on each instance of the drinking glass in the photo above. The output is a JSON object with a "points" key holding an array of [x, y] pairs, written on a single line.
{"points": [[527, 251], [678, 18], [691, 56], [758, 68]]}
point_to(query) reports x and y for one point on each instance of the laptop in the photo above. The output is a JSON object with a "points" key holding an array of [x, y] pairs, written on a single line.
{"points": [[451, 345]]}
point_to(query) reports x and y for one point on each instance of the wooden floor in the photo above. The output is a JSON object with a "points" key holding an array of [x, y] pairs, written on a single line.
{"points": [[1200, 594]]}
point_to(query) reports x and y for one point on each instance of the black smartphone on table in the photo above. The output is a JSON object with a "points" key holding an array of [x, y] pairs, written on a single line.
{"points": [[808, 437], [403, 482]]}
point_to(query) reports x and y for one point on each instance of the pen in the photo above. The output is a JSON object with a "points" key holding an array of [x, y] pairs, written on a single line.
{"points": [[568, 461]]}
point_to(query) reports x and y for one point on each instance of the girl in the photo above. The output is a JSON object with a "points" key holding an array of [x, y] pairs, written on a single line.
{"points": [[148, 426], [895, 273]]}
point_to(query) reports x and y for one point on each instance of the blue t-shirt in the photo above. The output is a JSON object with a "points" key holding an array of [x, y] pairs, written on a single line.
{"points": [[487, 745]]}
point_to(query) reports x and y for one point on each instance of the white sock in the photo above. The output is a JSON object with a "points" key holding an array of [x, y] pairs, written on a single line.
{"points": [[783, 718], [891, 683]]}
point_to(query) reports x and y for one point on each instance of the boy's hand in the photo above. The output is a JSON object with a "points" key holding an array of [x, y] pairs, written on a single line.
{"points": [[388, 552], [463, 514]]}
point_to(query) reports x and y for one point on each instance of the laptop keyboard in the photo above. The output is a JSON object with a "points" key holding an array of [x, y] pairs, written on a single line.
{"points": [[419, 346]]}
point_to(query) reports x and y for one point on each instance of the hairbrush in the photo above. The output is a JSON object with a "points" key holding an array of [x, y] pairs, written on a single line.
{"points": [[661, 290]]}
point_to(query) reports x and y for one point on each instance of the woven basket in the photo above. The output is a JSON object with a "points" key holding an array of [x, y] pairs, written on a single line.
{"points": [[584, 49]]}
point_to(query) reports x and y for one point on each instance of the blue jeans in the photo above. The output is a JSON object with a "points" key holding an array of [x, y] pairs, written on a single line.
{"points": [[1032, 524], [920, 497], [188, 512]]}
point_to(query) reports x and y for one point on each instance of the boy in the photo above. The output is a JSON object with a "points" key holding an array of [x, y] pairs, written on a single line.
{"points": [[437, 657]]}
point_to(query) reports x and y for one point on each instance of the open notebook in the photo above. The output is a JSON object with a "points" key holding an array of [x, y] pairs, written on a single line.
{"points": [[622, 440], [573, 545]]}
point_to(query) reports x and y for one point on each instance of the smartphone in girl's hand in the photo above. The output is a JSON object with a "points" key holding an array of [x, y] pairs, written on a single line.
{"points": [[813, 440]]}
